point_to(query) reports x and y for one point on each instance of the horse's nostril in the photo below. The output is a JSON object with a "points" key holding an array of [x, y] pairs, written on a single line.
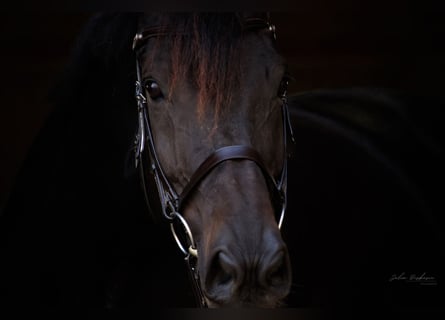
{"points": [[221, 275], [277, 272], [226, 269]]}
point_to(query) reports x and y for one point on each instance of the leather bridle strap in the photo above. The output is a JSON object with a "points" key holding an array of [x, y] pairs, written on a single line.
{"points": [[147, 33], [159, 31], [235, 152]]}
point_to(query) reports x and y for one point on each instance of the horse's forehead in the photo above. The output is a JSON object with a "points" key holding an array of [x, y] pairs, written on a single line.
{"points": [[255, 49]]}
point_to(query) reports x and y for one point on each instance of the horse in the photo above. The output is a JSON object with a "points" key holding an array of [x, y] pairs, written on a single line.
{"points": [[211, 138], [77, 228], [230, 133]]}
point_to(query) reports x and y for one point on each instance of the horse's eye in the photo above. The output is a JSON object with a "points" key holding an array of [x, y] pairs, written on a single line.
{"points": [[153, 89], [282, 90]]}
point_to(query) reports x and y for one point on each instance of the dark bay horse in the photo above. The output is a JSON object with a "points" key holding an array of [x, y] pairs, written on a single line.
{"points": [[210, 120], [211, 127]]}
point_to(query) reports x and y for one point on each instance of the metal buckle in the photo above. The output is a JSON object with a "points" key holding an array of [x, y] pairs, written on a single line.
{"points": [[140, 136]]}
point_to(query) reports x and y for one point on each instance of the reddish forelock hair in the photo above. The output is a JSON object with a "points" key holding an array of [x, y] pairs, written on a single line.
{"points": [[204, 49]]}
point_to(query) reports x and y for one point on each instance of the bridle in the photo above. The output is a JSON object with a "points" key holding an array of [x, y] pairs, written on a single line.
{"points": [[171, 202]]}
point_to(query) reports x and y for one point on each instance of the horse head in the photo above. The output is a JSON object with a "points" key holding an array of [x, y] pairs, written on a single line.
{"points": [[212, 125]]}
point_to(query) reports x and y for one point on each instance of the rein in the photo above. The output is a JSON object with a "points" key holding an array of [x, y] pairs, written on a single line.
{"points": [[172, 202]]}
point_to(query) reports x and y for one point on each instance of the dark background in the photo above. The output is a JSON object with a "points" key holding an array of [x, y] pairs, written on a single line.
{"points": [[393, 47]]}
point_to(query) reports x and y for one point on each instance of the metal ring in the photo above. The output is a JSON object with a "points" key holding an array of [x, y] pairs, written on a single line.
{"points": [[192, 248], [280, 222], [283, 210]]}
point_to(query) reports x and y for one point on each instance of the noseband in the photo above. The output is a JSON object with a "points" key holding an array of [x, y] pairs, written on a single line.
{"points": [[172, 202]]}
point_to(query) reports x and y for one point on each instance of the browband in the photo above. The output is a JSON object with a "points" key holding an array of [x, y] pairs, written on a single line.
{"points": [[158, 31]]}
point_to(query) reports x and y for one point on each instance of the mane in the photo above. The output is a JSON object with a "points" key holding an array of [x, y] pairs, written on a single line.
{"points": [[204, 49], [101, 56], [95, 91]]}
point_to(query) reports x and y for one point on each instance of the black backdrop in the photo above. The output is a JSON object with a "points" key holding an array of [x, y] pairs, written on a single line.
{"points": [[400, 48]]}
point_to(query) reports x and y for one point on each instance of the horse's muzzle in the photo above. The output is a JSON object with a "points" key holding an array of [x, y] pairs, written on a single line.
{"points": [[260, 277]]}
